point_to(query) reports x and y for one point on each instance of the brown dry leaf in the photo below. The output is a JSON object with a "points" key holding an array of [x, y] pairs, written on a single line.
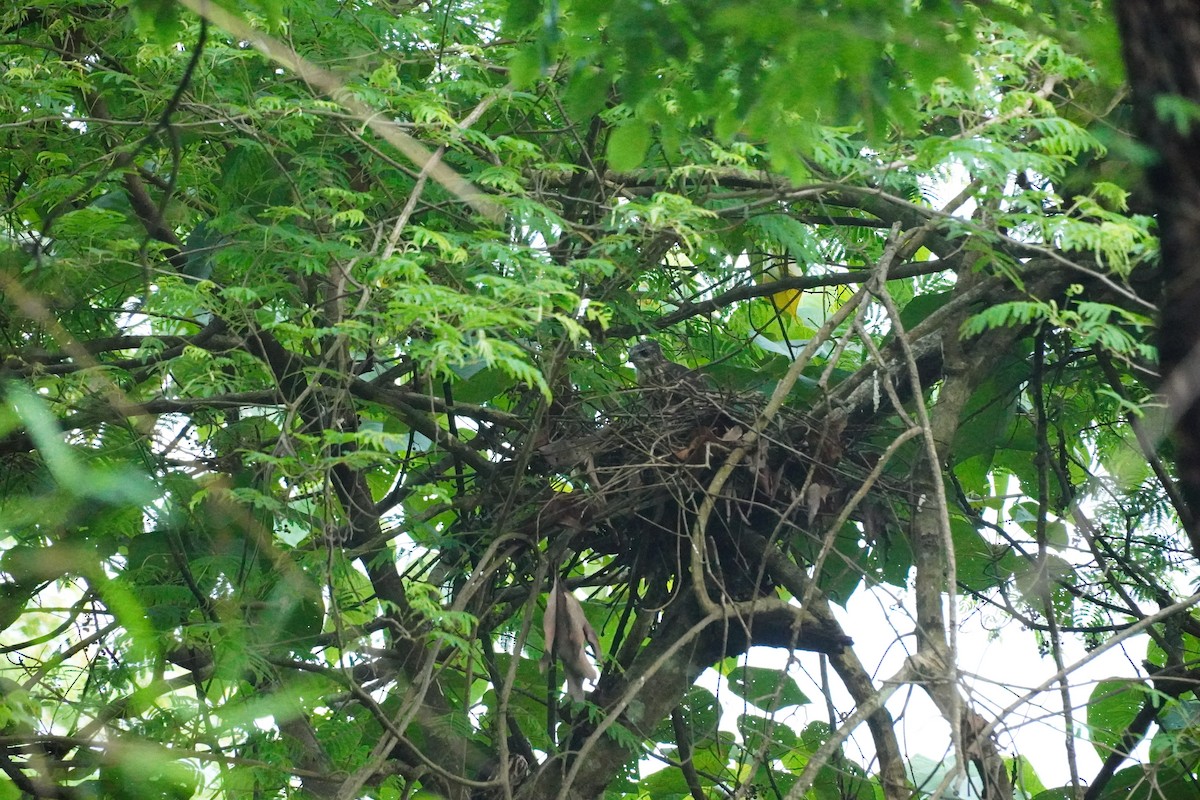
{"points": [[830, 451], [563, 509], [815, 496], [549, 627], [697, 450], [568, 632], [686, 453], [874, 523], [762, 469], [564, 452]]}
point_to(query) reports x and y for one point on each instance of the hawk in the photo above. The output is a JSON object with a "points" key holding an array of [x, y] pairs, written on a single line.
{"points": [[654, 371]]}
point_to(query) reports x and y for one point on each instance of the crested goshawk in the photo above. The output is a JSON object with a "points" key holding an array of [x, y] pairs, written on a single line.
{"points": [[655, 371]]}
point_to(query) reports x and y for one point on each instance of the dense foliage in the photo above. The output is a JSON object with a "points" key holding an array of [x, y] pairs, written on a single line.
{"points": [[319, 436]]}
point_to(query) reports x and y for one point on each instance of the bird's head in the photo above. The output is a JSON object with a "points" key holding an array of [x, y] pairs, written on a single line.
{"points": [[647, 352]]}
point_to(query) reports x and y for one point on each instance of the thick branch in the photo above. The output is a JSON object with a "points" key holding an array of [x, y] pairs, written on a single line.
{"points": [[845, 662], [1161, 42]]}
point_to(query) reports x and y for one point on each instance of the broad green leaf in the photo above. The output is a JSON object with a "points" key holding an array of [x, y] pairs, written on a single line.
{"points": [[1151, 782], [769, 689], [772, 738], [627, 145], [980, 563], [1111, 707]]}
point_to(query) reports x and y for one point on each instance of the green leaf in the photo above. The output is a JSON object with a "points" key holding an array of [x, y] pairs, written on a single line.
{"points": [[1151, 782], [1025, 777], [587, 93], [978, 562], [116, 485], [772, 738], [525, 66], [701, 713], [668, 784], [1036, 582], [521, 14], [920, 307], [768, 689], [627, 145], [1112, 706], [159, 19]]}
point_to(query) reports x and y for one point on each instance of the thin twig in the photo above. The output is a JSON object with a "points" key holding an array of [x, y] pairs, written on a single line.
{"points": [[328, 83]]}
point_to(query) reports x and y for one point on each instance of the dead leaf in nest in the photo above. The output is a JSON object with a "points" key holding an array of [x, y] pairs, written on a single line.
{"points": [[762, 469], [568, 632], [830, 449], [571, 451], [815, 495], [564, 452], [733, 434], [874, 523], [563, 509], [696, 451], [685, 453]]}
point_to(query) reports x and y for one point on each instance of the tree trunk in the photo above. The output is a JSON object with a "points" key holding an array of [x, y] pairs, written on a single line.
{"points": [[1161, 41]]}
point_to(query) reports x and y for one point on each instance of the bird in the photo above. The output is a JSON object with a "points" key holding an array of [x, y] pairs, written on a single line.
{"points": [[518, 771], [654, 371], [688, 411]]}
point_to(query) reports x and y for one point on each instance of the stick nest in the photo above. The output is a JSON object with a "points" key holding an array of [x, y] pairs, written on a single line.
{"points": [[630, 474]]}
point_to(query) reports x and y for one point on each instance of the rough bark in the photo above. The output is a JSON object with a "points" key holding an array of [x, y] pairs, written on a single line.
{"points": [[684, 644], [1161, 41]]}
